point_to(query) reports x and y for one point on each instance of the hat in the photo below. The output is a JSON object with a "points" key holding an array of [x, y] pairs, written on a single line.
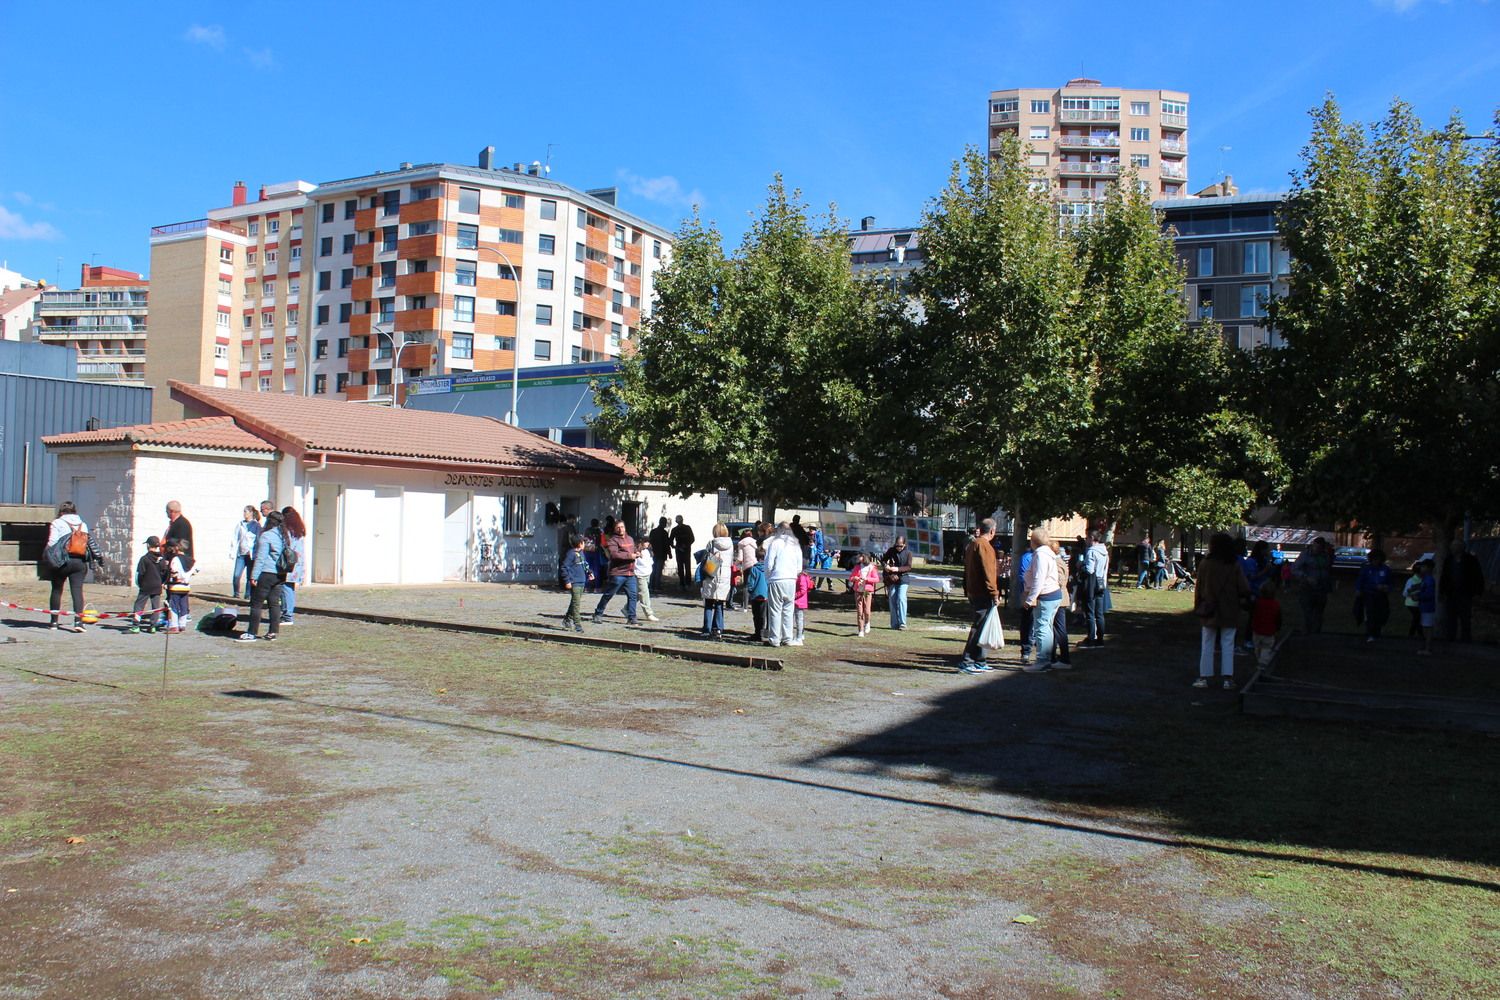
{"points": [[152, 541]]}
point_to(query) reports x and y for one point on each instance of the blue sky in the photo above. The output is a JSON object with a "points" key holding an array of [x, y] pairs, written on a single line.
{"points": [[118, 117]]}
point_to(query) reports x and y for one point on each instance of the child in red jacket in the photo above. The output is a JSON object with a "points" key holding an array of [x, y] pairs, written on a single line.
{"points": [[1265, 623]]}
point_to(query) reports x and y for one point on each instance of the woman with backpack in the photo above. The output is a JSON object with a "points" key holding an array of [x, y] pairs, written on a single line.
{"points": [[265, 595], [296, 535], [66, 559]]}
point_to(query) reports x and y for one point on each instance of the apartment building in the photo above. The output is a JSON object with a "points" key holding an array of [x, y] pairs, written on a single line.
{"points": [[890, 252], [1081, 138], [1235, 260], [103, 320], [443, 269]]}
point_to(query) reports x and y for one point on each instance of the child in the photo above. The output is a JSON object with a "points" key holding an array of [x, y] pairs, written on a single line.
{"points": [[1427, 604], [863, 579], [645, 565], [179, 571], [576, 578], [1411, 595], [757, 589], [1265, 623], [147, 587], [799, 607]]}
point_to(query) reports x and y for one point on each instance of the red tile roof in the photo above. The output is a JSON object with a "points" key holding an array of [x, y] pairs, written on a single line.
{"points": [[15, 298], [626, 467], [303, 424], [216, 433]]}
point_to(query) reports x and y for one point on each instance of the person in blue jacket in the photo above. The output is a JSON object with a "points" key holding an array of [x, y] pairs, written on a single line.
{"points": [[265, 572], [1373, 591]]}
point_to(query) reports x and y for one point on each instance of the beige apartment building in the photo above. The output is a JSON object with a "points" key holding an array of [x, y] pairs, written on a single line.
{"points": [[1083, 137], [103, 320]]}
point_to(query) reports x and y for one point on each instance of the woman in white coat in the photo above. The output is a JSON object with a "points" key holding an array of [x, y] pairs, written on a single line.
{"points": [[717, 569]]}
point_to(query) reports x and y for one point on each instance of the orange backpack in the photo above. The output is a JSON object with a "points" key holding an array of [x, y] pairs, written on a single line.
{"points": [[78, 542]]}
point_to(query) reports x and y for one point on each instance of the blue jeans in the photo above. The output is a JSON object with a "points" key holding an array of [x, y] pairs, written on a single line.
{"points": [[897, 595], [713, 616], [242, 565], [613, 587], [288, 601], [1042, 639], [1140, 581], [1093, 609]]}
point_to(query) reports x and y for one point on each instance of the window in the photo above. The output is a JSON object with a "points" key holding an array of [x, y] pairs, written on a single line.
{"points": [[343, 347], [517, 513], [249, 258], [351, 207], [421, 229], [418, 267], [618, 305], [221, 320], [1205, 262], [1041, 107], [614, 330], [465, 272], [325, 280], [619, 268], [348, 244], [290, 350], [328, 212], [1040, 132], [463, 345], [294, 287], [320, 349], [549, 208], [254, 229], [1140, 160], [1205, 303], [265, 383], [268, 289], [226, 287], [346, 277], [1140, 135], [577, 354], [578, 285], [543, 279], [541, 350], [270, 256], [388, 274], [423, 193], [226, 254], [544, 316], [578, 321], [249, 321], [578, 251], [346, 309], [635, 270], [292, 316], [221, 352], [463, 312], [388, 238], [1257, 257], [387, 310], [1002, 107], [320, 382], [1034, 160], [468, 200], [656, 249], [390, 202], [510, 236], [514, 201], [1140, 107], [273, 226], [325, 247], [503, 308], [1253, 299], [297, 253], [468, 237], [619, 237], [416, 302], [341, 381], [546, 244]]}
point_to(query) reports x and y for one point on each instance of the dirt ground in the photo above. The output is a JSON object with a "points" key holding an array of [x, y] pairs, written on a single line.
{"points": [[380, 811]]}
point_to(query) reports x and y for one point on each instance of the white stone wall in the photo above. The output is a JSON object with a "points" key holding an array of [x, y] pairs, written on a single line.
{"points": [[105, 495], [213, 492]]}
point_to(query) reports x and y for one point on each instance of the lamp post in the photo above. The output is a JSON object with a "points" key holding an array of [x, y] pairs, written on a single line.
{"points": [[514, 416], [395, 359]]}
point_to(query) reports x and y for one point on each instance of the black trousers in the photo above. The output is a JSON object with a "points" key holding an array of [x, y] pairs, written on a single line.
{"points": [[684, 567], [972, 649], [267, 594], [70, 574]]}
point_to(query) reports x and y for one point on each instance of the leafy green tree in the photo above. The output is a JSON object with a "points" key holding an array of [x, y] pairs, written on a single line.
{"points": [[1387, 392], [754, 372]]}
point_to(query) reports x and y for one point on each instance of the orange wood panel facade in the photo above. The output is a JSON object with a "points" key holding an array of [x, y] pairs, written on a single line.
{"points": [[364, 218], [408, 320], [359, 359], [428, 210], [362, 290], [359, 325], [418, 284], [419, 247], [488, 360], [364, 254]]}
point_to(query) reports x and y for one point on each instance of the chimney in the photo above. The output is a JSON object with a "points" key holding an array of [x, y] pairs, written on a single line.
{"points": [[535, 170], [262, 193], [867, 223], [241, 193], [487, 158], [518, 167], [405, 166]]}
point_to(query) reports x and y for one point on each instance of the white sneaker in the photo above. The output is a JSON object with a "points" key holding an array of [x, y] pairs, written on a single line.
{"points": [[652, 618], [794, 642], [1201, 682]]}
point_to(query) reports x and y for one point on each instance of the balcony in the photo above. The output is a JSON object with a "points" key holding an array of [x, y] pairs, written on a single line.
{"points": [[420, 247], [1174, 171], [1109, 168], [1075, 115], [418, 284], [1174, 147], [408, 320], [1080, 194], [364, 254], [66, 305], [182, 228], [428, 210], [1174, 121], [1088, 142], [1004, 117], [110, 354], [112, 332]]}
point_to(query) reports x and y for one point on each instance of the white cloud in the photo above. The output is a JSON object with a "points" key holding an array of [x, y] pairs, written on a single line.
{"points": [[14, 227], [211, 35], [261, 58], [664, 190], [22, 197]]}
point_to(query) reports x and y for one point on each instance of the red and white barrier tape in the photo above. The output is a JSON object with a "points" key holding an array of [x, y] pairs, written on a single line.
{"points": [[86, 614]]}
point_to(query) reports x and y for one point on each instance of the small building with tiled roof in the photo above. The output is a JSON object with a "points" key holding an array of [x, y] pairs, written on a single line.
{"points": [[389, 495]]}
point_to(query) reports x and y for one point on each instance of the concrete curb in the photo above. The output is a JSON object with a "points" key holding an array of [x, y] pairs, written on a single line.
{"points": [[515, 632]]}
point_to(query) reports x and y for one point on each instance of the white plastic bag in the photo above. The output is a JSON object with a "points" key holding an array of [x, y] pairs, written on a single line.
{"points": [[992, 634]]}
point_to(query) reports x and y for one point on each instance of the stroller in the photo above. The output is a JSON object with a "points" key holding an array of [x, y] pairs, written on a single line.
{"points": [[1183, 580]]}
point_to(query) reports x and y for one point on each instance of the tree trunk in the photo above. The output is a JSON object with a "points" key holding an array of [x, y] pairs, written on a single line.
{"points": [[1443, 531], [1019, 529], [768, 509]]}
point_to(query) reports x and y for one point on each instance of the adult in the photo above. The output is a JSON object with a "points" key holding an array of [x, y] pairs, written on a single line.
{"points": [[242, 549], [1062, 657], [783, 564], [80, 552], [1373, 590], [296, 537], [1221, 590], [1461, 582], [566, 530], [897, 564], [619, 549], [1093, 588], [660, 541], [593, 554], [1023, 573], [804, 542], [746, 554], [819, 555], [179, 528], [982, 588], [1159, 563], [265, 598], [1044, 595], [717, 576], [266, 507], [682, 545], [1143, 554], [1313, 575]]}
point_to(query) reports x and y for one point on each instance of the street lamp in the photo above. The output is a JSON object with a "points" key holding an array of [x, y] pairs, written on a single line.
{"points": [[395, 359], [514, 416]]}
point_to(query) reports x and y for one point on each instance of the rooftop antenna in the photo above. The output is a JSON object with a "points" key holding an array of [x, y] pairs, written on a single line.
{"points": [[548, 168], [1222, 151]]}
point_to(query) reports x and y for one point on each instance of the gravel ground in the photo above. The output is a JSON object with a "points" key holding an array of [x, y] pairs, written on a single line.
{"points": [[427, 814]]}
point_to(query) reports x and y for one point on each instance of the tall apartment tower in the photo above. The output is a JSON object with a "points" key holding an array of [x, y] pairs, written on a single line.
{"points": [[447, 268], [103, 319], [1084, 136]]}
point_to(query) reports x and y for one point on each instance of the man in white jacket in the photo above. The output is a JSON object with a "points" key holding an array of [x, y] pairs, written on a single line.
{"points": [[783, 563]]}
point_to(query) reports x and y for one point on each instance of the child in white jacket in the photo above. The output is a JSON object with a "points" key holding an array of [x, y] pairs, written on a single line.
{"points": [[645, 563]]}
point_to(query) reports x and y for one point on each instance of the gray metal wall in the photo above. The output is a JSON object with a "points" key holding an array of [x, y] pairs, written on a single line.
{"points": [[32, 407], [21, 357]]}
